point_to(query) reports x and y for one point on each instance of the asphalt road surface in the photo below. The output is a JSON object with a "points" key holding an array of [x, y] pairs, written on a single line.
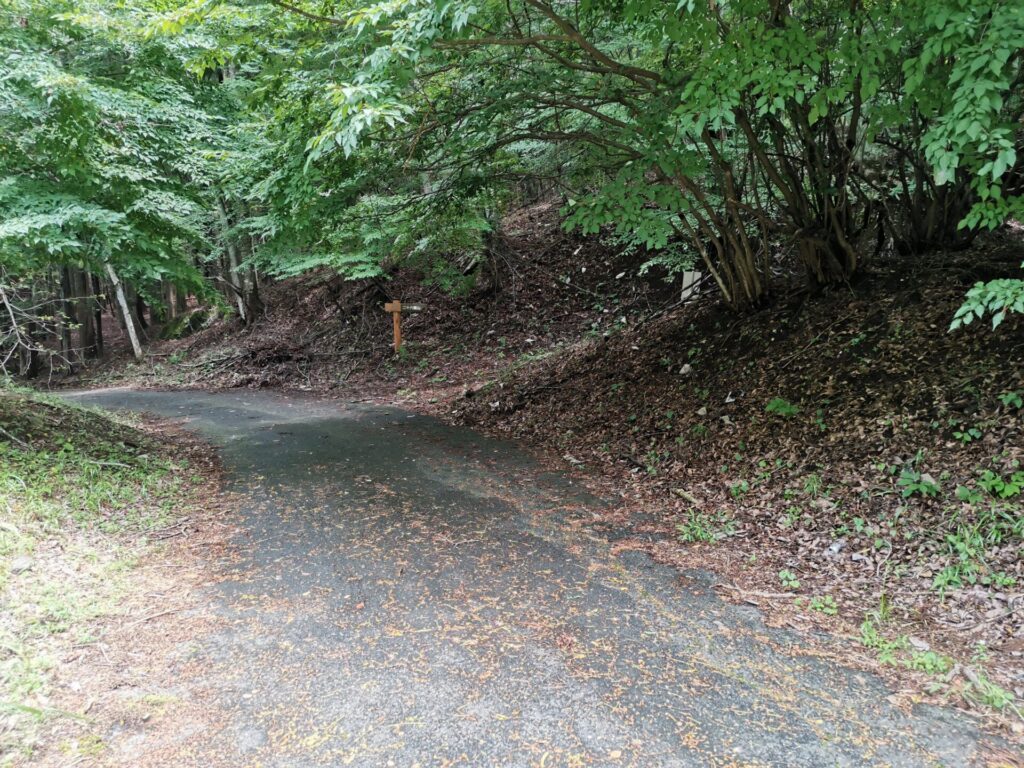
{"points": [[413, 594]]}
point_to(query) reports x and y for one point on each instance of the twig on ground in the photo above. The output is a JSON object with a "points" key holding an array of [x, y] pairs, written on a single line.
{"points": [[752, 593], [12, 438], [144, 619]]}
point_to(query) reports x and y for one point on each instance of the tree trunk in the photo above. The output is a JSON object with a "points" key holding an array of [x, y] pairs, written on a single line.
{"points": [[232, 276], [250, 282], [97, 313], [30, 364], [125, 311], [170, 301], [86, 317], [180, 300], [66, 317], [140, 312]]}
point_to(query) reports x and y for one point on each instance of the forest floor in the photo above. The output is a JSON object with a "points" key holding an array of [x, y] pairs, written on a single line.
{"points": [[841, 460], [94, 572]]}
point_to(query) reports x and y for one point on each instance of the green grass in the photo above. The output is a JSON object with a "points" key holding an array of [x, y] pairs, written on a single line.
{"points": [[78, 491], [700, 526]]}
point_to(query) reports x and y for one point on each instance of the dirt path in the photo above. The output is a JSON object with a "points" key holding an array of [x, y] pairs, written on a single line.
{"points": [[408, 593]]}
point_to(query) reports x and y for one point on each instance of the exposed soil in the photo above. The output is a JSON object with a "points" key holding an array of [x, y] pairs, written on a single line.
{"points": [[106, 667], [127, 678], [668, 408], [321, 333]]}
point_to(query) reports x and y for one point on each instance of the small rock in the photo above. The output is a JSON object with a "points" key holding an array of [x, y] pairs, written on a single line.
{"points": [[686, 370], [702, 411], [837, 546], [919, 644], [22, 564]]}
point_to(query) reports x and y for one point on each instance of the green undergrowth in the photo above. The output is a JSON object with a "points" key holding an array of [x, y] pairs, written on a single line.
{"points": [[79, 489]]}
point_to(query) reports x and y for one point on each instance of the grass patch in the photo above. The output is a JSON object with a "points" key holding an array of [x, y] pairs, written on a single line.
{"points": [[699, 526], [79, 489]]}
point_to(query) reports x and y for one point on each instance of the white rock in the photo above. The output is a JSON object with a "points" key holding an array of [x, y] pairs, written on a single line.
{"points": [[837, 546], [919, 644]]}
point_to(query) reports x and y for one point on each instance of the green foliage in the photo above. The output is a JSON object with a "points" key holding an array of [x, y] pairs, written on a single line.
{"points": [[357, 138], [825, 604], [900, 652], [664, 125], [986, 692], [813, 485], [1012, 399], [1001, 486], [99, 139], [963, 79], [983, 522], [60, 471], [789, 579], [780, 406], [929, 662], [968, 434], [918, 483], [705, 527], [995, 298], [739, 488], [888, 651]]}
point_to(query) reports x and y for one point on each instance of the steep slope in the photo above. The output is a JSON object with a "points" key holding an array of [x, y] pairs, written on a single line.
{"points": [[844, 454]]}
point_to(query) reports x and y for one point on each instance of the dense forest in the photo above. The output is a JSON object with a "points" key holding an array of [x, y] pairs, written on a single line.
{"points": [[156, 152]]}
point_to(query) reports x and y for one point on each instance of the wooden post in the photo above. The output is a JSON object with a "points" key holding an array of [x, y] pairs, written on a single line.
{"points": [[395, 308]]}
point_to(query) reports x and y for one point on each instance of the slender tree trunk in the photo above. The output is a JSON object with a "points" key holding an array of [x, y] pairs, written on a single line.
{"points": [[86, 317], [232, 276], [253, 302], [139, 305], [125, 311], [97, 313], [66, 317], [30, 364], [170, 302]]}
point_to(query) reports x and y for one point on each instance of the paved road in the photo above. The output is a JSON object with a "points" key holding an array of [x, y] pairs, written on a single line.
{"points": [[411, 594]]}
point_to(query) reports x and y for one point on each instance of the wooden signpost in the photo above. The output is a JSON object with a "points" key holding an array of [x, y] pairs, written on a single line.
{"points": [[396, 308]]}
